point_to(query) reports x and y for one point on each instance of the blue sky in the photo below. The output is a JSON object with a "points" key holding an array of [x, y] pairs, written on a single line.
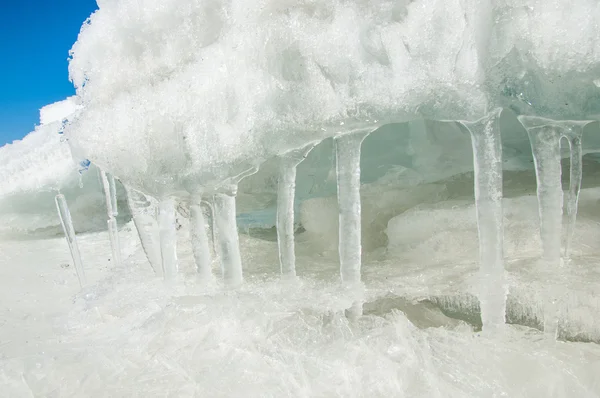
{"points": [[35, 39]]}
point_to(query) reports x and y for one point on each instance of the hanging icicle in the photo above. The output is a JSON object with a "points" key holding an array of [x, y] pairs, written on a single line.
{"points": [[168, 238], [227, 235], [67, 224], [199, 238], [347, 151], [108, 182], [286, 191], [487, 165], [144, 210], [545, 136]]}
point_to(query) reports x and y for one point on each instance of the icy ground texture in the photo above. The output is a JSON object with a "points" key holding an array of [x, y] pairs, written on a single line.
{"points": [[130, 336], [159, 80]]}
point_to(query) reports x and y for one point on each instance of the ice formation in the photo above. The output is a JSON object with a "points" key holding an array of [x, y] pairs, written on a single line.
{"points": [[414, 150], [193, 96]]}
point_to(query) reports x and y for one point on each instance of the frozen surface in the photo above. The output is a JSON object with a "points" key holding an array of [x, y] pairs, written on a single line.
{"points": [[182, 97], [128, 335]]}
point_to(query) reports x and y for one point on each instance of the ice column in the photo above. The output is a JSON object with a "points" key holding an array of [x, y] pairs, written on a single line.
{"points": [[110, 192], [67, 224], [286, 191], [487, 165], [228, 240], [573, 135], [347, 151], [224, 218], [545, 135], [168, 238], [144, 211], [200, 244]]}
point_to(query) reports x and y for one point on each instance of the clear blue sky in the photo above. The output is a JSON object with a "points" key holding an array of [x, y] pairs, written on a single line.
{"points": [[35, 39]]}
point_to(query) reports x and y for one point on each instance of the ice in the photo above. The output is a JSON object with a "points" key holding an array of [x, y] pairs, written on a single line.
{"points": [[110, 191], [286, 192], [545, 136], [168, 239], [434, 227], [347, 151], [144, 212], [67, 224], [487, 156], [228, 241], [199, 237]]}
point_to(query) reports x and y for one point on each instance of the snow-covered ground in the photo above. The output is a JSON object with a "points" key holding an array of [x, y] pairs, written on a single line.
{"points": [[129, 335]]}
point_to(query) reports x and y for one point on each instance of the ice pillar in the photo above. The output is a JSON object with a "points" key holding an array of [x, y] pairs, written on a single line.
{"points": [[110, 192], [286, 191], [200, 244], [347, 153], [67, 224], [576, 174], [144, 211], [227, 235], [168, 238], [487, 166], [545, 136]]}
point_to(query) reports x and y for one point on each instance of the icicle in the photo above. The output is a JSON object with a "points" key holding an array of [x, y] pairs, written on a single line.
{"points": [[347, 150], [200, 244], [67, 224], [213, 225], [227, 235], [576, 174], [168, 238], [545, 135], [144, 210], [487, 163], [108, 182], [225, 225], [286, 191]]}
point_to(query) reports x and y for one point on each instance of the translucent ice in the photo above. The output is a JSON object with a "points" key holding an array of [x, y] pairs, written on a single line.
{"points": [[347, 150], [110, 192], [199, 237], [144, 210], [487, 156], [286, 191], [67, 224]]}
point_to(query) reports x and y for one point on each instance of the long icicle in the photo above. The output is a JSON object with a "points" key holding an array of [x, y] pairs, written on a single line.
{"points": [[227, 235], [347, 151], [576, 174], [545, 144], [199, 238], [545, 136], [108, 182], [144, 212], [286, 191], [168, 238], [67, 223], [487, 163]]}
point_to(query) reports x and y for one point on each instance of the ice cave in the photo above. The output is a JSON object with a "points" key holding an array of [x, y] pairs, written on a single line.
{"points": [[310, 198]]}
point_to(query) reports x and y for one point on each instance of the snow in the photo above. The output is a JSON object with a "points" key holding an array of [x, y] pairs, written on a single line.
{"points": [[180, 100]]}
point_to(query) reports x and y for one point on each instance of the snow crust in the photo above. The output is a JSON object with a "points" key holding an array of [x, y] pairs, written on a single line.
{"points": [[33, 170], [193, 93]]}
